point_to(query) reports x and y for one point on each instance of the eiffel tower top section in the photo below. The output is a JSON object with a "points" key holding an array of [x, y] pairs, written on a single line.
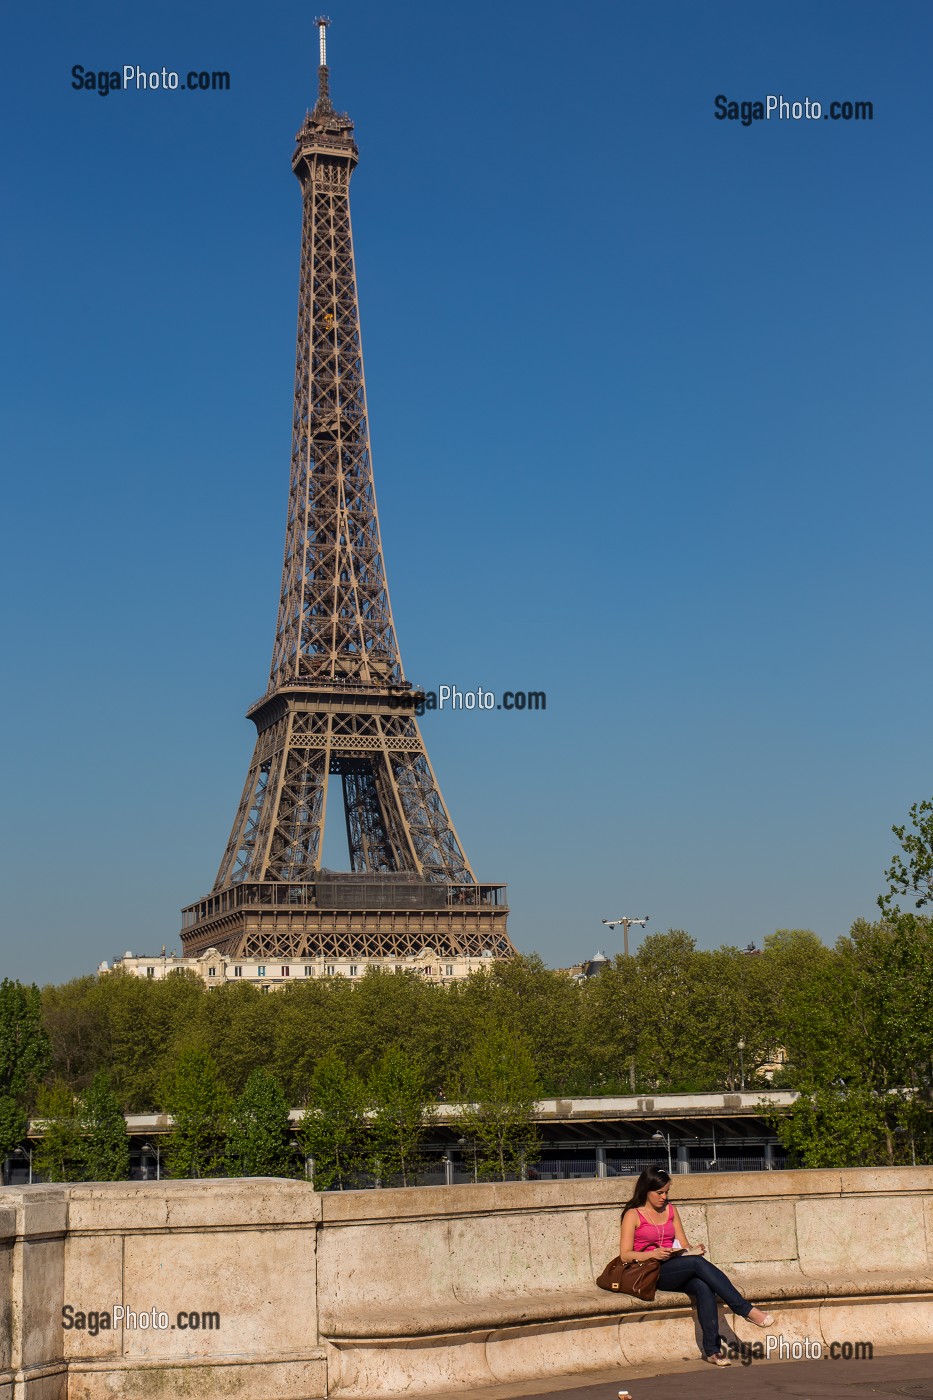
{"points": [[323, 131], [335, 622]]}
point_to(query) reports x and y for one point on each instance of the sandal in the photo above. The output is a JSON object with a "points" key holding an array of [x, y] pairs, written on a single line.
{"points": [[717, 1359], [767, 1320]]}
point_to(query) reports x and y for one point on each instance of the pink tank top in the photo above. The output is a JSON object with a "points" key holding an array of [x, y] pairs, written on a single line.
{"points": [[651, 1236]]}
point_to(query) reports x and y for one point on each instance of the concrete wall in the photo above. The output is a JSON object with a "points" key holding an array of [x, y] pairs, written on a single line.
{"points": [[388, 1292]]}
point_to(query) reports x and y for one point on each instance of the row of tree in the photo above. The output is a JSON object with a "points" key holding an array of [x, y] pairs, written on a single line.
{"points": [[853, 1023], [351, 1131]]}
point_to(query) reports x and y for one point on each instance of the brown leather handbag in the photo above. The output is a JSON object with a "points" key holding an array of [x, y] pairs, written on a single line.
{"points": [[640, 1279]]}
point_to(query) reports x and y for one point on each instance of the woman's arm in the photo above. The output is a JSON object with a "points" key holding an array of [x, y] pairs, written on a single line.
{"points": [[627, 1240]]}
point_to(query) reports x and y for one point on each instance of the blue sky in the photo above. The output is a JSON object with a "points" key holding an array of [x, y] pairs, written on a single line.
{"points": [[650, 407]]}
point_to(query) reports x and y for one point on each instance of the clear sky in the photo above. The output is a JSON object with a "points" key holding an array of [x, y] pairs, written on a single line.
{"points": [[650, 406]]}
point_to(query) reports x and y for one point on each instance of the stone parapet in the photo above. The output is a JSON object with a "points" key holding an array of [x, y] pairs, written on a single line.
{"points": [[301, 1296]]}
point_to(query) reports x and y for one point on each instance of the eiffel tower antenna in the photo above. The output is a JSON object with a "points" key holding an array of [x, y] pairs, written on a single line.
{"points": [[336, 725], [323, 77]]}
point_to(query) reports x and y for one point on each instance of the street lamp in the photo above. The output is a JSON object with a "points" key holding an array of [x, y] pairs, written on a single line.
{"points": [[295, 1145], [463, 1143], [157, 1152], [664, 1137], [626, 921], [25, 1153], [741, 1049]]}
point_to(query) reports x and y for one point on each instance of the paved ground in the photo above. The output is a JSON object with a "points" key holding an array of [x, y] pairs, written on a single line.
{"points": [[891, 1375]]}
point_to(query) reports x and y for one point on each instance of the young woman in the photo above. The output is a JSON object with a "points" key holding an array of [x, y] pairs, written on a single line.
{"points": [[650, 1227]]}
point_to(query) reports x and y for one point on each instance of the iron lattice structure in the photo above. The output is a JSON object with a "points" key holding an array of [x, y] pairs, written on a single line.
{"points": [[337, 705]]}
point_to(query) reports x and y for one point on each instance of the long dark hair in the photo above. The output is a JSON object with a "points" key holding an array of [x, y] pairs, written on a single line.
{"points": [[651, 1179]]}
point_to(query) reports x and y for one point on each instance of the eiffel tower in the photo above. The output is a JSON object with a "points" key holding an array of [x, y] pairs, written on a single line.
{"points": [[338, 705]]}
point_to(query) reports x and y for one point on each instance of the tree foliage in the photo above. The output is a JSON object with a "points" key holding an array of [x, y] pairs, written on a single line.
{"points": [[105, 1147], [500, 1089], [259, 1135], [333, 1130], [400, 1115], [24, 1044], [200, 1107], [59, 1151], [911, 873]]}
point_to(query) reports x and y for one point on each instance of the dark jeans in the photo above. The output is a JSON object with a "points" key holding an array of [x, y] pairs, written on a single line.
{"points": [[701, 1280]]}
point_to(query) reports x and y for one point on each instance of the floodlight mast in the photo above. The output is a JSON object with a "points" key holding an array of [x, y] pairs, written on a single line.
{"points": [[627, 922], [322, 22]]}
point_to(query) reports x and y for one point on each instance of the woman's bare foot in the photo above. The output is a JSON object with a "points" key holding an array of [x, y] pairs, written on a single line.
{"points": [[760, 1319]]}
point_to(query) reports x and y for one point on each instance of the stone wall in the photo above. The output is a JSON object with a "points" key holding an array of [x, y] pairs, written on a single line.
{"points": [[386, 1292]]}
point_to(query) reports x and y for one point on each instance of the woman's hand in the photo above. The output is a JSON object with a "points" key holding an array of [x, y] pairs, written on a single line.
{"points": [[659, 1254]]}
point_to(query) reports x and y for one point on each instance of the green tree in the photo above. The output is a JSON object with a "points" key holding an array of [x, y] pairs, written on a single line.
{"points": [[911, 873], [500, 1088], [259, 1137], [333, 1130], [840, 1126], [24, 1046], [401, 1113], [200, 1107], [59, 1152], [14, 1124], [106, 1147], [77, 1031]]}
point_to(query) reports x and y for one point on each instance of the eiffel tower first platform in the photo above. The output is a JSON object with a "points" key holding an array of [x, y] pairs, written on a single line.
{"points": [[338, 706]]}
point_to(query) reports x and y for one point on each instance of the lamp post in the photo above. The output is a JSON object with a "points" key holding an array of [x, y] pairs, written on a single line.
{"points": [[741, 1049], [157, 1153], [462, 1143], [295, 1145], [664, 1137], [26, 1154], [627, 921]]}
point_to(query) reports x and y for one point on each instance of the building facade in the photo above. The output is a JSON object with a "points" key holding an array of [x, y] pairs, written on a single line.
{"points": [[271, 974]]}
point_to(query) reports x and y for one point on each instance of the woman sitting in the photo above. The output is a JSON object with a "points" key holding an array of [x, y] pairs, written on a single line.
{"points": [[652, 1229]]}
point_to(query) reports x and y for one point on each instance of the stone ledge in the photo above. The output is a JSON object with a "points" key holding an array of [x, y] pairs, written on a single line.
{"points": [[487, 1357], [454, 1318], [450, 1202]]}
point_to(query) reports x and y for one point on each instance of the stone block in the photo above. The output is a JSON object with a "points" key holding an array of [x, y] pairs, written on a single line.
{"points": [[751, 1231], [260, 1282], [515, 1354], [43, 1270], [885, 1322], [228, 1379], [519, 1253], [6, 1305], [663, 1336], [602, 1227], [874, 1232], [434, 1366], [93, 1283], [42, 1210], [41, 1383], [406, 1262], [155, 1205]]}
